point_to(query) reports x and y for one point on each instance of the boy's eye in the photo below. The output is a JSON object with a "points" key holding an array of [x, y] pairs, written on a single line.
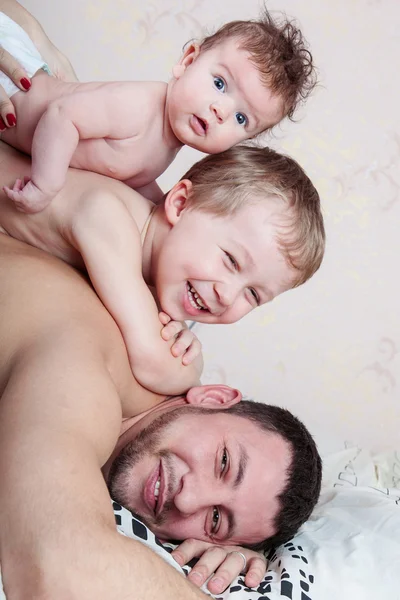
{"points": [[255, 296], [241, 118], [232, 260], [215, 520], [219, 84]]}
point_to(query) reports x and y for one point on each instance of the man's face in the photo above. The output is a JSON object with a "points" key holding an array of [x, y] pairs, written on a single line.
{"points": [[219, 100], [210, 476]]}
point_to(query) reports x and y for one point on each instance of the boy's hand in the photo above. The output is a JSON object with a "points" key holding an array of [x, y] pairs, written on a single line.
{"points": [[27, 197], [186, 345], [225, 562]]}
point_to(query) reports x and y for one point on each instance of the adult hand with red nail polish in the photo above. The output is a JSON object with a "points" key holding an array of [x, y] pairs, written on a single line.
{"points": [[17, 74]]}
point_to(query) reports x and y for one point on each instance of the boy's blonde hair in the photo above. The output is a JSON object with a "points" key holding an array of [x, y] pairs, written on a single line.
{"points": [[224, 183], [279, 52]]}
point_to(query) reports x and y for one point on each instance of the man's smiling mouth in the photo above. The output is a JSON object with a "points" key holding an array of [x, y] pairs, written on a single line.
{"points": [[157, 493], [195, 299]]}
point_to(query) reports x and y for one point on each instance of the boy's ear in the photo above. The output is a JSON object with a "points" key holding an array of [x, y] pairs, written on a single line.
{"points": [[177, 200], [213, 396], [190, 54]]}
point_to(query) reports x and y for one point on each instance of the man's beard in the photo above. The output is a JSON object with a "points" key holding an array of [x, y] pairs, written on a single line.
{"points": [[147, 443]]}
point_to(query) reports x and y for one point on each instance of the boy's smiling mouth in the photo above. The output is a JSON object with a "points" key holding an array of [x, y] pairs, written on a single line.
{"points": [[198, 125], [195, 299]]}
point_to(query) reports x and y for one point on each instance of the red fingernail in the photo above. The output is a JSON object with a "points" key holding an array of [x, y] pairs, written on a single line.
{"points": [[26, 84], [2, 125], [11, 120]]}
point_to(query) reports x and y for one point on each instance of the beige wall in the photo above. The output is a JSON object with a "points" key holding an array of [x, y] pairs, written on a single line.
{"points": [[329, 350]]}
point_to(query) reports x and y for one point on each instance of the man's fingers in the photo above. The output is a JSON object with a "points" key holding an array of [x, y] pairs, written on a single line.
{"points": [[226, 573], [189, 549], [11, 67], [208, 564], [256, 568]]}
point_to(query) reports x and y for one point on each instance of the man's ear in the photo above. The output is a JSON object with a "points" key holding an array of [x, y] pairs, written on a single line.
{"points": [[176, 200], [213, 396], [190, 54]]}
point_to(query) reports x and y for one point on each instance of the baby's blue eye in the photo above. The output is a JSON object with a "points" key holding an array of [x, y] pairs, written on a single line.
{"points": [[219, 84], [241, 118]]}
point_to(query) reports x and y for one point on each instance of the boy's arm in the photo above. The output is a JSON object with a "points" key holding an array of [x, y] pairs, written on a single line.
{"points": [[107, 237], [57, 530]]}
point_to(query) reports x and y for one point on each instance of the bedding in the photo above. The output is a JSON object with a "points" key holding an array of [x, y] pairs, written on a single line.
{"points": [[348, 550]]}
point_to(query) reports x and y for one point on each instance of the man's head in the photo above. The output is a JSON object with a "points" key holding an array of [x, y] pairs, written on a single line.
{"points": [[239, 82], [216, 470], [245, 226]]}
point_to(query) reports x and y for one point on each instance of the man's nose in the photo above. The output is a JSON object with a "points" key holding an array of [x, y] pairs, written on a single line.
{"points": [[195, 496]]}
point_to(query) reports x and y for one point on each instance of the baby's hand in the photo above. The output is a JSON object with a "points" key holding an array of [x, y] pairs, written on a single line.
{"points": [[186, 345], [27, 197], [226, 562]]}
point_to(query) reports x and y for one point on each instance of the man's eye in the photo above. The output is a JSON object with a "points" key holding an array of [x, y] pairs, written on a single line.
{"points": [[224, 461], [219, 84], [232, 260], [241, 118], [215, 520], [255, 296]]}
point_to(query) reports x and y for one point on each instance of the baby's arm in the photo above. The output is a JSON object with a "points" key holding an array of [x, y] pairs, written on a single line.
{"points": [[86, 114], [107, 237]]}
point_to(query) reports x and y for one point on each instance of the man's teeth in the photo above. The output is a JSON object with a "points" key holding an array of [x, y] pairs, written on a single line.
{"points": [[195, 299], [157, 488]]}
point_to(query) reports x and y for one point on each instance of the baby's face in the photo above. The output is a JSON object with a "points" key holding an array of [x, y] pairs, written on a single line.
{"points": [[218, 100], [217, 269]]}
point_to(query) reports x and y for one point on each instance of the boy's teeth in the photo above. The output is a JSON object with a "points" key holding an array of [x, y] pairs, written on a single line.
{"points": [[195, 299]]}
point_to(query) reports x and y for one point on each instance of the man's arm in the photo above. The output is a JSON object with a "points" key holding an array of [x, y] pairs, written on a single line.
{"points": [[59, 419]]}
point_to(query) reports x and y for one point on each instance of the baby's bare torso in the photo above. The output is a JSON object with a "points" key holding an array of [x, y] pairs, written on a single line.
{"points": [[141, 157]]}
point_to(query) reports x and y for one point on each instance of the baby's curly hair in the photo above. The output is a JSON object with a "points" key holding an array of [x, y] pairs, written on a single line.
{"points": [[279, 52]]}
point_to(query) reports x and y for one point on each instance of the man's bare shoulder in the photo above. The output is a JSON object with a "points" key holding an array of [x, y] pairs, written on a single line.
{"points": [[42, 296], [48, 307]]}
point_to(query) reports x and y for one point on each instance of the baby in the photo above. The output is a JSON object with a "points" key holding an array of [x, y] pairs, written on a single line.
{"points": [[236, 84], [239, 229]]}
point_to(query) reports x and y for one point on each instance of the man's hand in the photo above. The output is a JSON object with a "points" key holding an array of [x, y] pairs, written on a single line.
{"points": [[27, 197], [186, 345], [225, 562]]}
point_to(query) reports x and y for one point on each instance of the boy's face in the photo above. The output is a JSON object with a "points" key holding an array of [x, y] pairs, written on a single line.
{"points": [[217, 269], [218, 100]]}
